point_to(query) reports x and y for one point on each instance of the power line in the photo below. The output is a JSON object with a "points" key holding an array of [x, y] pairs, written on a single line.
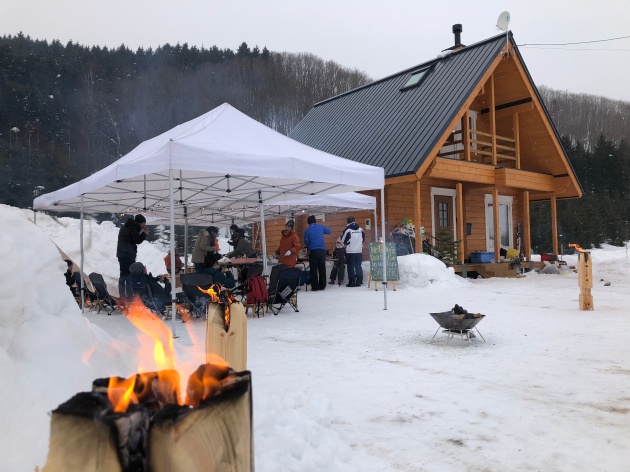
{"points": [[575, 49], [579, 42]]}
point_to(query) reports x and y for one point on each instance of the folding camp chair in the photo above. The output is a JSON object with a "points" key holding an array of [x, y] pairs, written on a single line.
{"points": [[191, 294], [103, 299], [284, 284], [136, 285]]}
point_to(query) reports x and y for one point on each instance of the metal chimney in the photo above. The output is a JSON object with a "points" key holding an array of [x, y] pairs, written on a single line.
{"points": [[457, 29]]}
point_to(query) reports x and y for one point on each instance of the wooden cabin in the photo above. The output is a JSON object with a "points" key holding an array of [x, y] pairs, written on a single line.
{"points": [[465, 141]]}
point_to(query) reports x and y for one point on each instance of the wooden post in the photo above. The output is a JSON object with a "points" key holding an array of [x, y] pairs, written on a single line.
{"points": [[527, 237], [459, 202], [554, 225], [495, 219], [517, 141], [585, 279], [493, 122], [418, 216], [231, 346], [466, 136]]}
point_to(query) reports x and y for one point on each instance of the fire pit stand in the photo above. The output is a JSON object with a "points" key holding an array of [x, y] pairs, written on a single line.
{"points": [[462, 325]]}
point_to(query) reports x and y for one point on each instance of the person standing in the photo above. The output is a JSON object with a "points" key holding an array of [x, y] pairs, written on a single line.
{"points": [[289, 245], [353, 238], [204, 245], [130, 236], [242, 247], [338, 271], [314, 241]]}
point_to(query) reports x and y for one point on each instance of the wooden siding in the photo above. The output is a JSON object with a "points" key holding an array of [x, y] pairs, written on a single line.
{"points": [[336, 222]]}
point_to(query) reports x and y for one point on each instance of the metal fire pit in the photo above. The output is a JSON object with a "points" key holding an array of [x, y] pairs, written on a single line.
{"points": [[451, 324]]}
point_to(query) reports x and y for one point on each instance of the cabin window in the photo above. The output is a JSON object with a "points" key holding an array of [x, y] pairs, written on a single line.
{"points": [[443, 218], [415, 79]]}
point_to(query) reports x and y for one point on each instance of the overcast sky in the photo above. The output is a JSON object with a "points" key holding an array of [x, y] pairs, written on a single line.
{"points": [[376, 36]]}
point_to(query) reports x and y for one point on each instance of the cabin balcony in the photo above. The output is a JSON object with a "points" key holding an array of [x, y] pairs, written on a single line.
{"points": [[481, 147]]}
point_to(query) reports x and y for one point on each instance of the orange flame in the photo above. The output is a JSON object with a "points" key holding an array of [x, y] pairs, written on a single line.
{"points": [[222, 296], [576, 247], [120, 393], [164, 384]]}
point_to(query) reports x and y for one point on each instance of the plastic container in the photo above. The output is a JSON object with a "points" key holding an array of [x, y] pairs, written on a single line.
{"points": [[481, 257]]}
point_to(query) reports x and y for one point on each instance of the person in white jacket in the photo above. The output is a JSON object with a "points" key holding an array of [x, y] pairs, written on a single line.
{"points": [[353, 238]]}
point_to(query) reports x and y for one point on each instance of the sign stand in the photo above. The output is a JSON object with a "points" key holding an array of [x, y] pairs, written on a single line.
{"points": [[376, 264]]}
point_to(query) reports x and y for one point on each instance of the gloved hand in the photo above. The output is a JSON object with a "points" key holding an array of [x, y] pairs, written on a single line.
{"points": [[288, 253]]}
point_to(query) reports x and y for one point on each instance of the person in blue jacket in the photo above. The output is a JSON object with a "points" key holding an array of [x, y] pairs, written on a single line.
{"points": [[314, 241], [221, 275]]}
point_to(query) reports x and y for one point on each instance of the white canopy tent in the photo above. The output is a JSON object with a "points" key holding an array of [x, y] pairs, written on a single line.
{"points": [[218, 162]]}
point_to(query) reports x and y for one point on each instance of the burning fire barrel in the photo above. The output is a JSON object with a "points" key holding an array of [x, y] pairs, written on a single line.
{"points": [[142, 423]]}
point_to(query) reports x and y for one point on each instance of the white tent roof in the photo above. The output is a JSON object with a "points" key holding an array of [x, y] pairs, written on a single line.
{"points": [[219, 161]]}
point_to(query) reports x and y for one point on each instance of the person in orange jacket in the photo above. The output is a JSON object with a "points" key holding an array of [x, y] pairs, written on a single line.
{"points": [[289, 245]]}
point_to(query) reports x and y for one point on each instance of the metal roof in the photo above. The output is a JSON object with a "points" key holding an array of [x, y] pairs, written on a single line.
{"points": [[381, 125]]}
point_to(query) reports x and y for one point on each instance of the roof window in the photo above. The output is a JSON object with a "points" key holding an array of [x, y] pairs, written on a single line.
{"points": [[416, 78]]}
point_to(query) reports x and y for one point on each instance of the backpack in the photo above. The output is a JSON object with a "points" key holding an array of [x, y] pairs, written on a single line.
{"points": [[256, 290]]}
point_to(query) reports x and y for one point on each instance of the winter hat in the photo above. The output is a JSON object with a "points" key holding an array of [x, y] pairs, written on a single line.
{"points": [[311, 219], [136, 268], [350, 219], [211, 258], [233, 227], [140, 219], [290, 224], [212, 229]]}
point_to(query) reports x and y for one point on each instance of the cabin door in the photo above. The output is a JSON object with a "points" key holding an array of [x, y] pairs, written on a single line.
{"points": [[443, 217], [505, 222]]}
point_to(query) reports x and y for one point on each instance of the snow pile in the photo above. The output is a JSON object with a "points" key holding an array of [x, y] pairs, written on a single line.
{"points": [[422, 270], [45, 342]]}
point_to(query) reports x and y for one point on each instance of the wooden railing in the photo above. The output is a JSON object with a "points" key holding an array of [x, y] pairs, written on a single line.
{"points": [[481, 148]]}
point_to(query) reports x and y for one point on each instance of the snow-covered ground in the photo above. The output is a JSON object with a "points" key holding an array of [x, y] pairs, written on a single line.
{"points": [[344, 385]]}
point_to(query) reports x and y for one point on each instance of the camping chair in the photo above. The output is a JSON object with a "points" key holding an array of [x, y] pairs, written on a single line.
{"points": [[192, 296], [103, 298], [284, 284], [136, 285]]}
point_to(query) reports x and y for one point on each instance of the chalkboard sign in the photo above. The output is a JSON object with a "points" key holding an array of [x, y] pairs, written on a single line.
{"points": [[376, 261]]}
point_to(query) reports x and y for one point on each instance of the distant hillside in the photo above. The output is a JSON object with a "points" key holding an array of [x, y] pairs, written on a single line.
{"points": [[583, 118]]}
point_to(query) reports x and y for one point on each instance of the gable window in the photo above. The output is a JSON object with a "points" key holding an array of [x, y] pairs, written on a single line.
{"points": [[415, 79]]}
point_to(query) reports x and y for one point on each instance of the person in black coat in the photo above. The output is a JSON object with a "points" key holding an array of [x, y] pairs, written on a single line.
{"points": [[148, 287], [130, 235]]}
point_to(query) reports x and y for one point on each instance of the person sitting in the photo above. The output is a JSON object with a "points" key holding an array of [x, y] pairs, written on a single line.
{"points": [[220, 275], [73, 279], [242, 247], [152, 294], [179, 265], [289, 246]]}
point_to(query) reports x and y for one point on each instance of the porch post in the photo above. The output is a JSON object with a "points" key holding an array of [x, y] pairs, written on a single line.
{"points": [[493, 123], [466, 136], [459, 202], [495, 219], [517, 140], [418, 216], [554, 225], [527, 237]]}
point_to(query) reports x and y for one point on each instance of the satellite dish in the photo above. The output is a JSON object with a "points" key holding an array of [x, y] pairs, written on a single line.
{"points": [[503, 21]]}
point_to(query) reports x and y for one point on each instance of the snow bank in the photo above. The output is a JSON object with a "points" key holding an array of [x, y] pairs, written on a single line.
{"points": [[422, 270]]}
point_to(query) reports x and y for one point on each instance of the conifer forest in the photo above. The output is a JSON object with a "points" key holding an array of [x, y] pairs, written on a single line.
{"points": [[69, 110]]}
